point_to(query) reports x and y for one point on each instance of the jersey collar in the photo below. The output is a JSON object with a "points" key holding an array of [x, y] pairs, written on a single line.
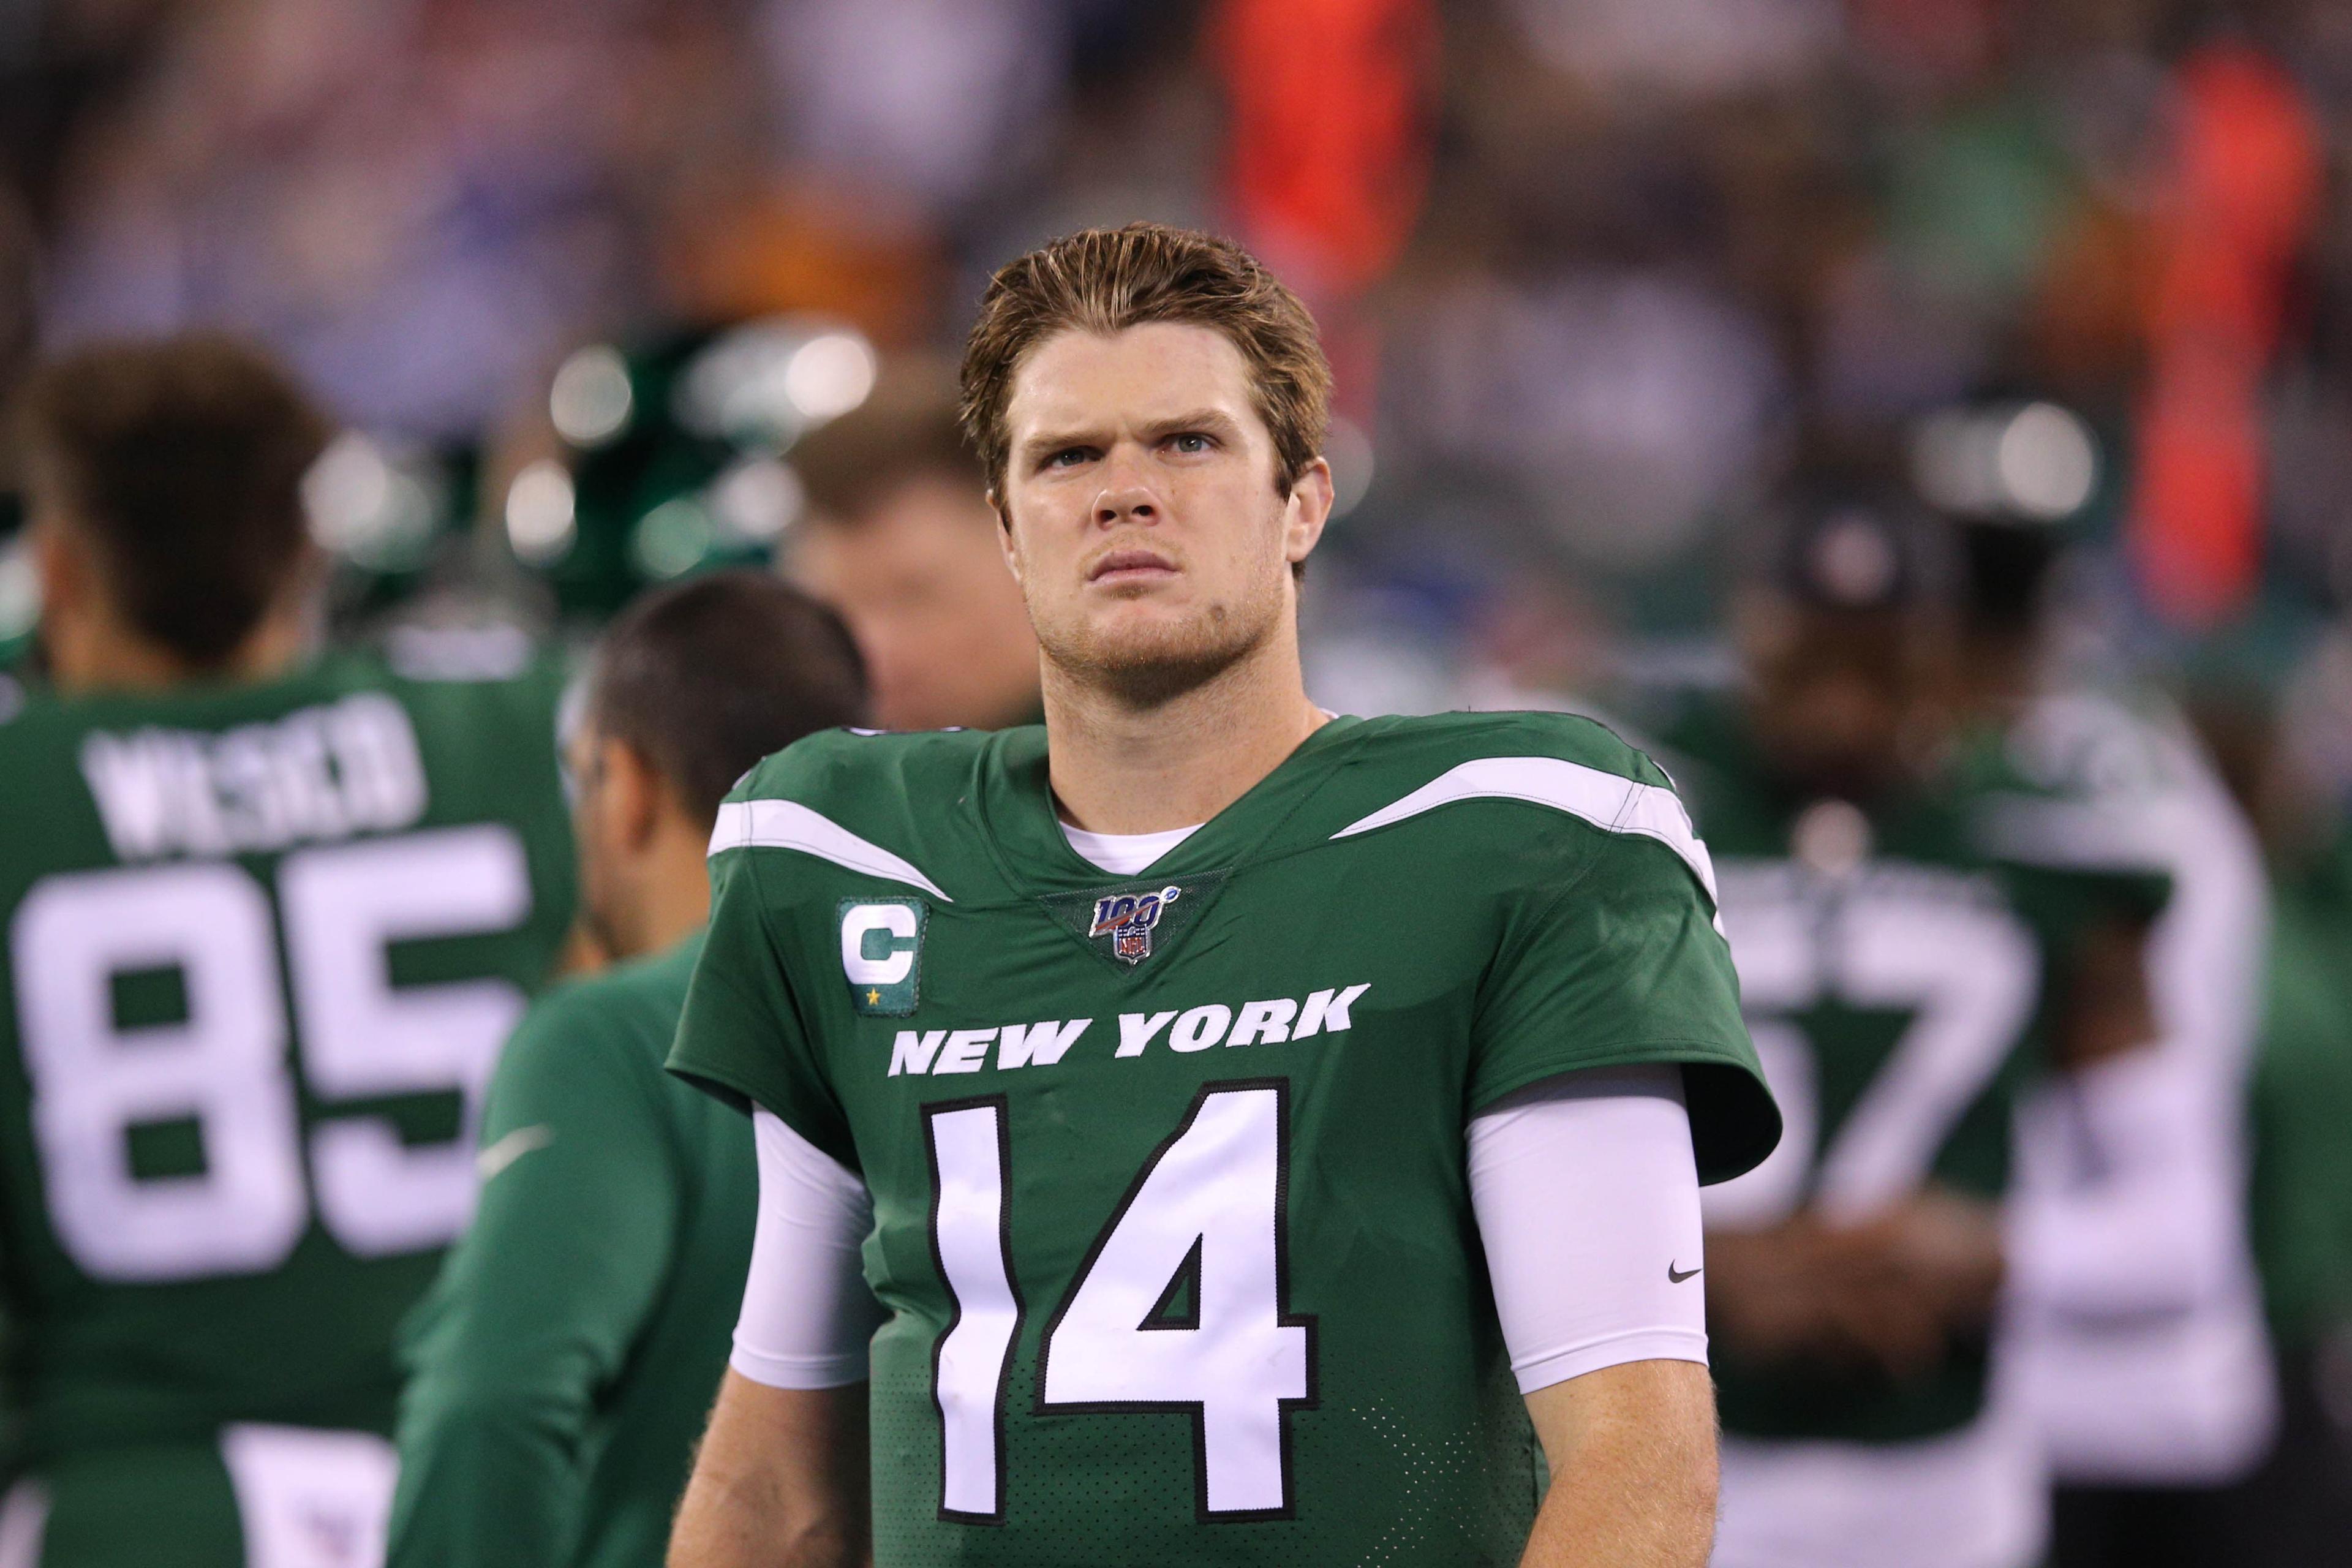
{"points": [[1025, 836]]}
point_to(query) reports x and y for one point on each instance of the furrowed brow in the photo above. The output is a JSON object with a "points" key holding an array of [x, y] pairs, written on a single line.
{"points": [[1038, 447], [1208, 421]]}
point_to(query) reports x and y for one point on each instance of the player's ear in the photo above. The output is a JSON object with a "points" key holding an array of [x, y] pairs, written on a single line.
{"points": [[634, 793], [1308, 510], [1004, 532]]}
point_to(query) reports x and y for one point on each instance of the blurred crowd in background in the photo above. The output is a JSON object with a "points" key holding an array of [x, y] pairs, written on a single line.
{"points": [[1601, 276], [1607, 284]]}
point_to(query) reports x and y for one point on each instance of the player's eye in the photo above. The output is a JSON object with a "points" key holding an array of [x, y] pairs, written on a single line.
{"points": [[1189, 442], [1068, 457]]}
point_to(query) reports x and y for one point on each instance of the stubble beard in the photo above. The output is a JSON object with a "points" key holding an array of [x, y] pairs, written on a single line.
{"points": [[1151, 668]]}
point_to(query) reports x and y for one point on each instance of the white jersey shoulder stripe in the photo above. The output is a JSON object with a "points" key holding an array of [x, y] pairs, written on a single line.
{"points": [[1604, 799], [788, 825]]}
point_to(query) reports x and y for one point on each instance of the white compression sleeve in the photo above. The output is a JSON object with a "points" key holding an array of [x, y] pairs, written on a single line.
{"points": [[807, 1314], [2155, 1231], [1587, 1196]]}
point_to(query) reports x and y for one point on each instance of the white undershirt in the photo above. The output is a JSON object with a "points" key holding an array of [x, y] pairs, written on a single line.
{"points": [[1584, 1186], [1125, 854]]}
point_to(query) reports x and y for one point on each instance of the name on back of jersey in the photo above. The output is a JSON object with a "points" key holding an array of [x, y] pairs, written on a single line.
{"points": [[325, 772], [1272, 1021]]}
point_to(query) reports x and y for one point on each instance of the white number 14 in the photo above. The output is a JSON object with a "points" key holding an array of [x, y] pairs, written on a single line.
{"points": [[1203, 1223]]}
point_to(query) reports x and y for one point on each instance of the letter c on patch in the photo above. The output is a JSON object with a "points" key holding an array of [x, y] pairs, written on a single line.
{"points": [[877, 943]]}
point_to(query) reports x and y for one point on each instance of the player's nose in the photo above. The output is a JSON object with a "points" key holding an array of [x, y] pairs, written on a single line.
{"points": [[1124, 498]]}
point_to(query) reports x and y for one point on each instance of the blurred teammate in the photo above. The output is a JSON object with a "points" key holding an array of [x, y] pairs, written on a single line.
{"points": [[900, 540], [268, 916], [1901, 985], [2143, 1359], [562, 1365], [1264, 1114]]}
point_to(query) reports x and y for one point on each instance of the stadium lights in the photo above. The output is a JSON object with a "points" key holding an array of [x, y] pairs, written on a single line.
{"points": [[540, 514], [371, 505], [673, 539], [769, 382], [829, 375], [20, 588], [591, 399], [755, 500], [2034, 462]]}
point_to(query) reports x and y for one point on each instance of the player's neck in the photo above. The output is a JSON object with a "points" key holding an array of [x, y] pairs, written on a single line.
{"points": [[86, 657], [664, 893], [1122, 767]]}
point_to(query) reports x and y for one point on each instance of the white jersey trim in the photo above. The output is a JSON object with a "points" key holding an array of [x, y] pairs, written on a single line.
{"points": [[1606, 800], [788, 825]]}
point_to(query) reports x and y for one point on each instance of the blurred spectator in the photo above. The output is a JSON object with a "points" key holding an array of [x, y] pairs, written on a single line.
{"points": [[939, 102], [417, 201], [900, 538]]}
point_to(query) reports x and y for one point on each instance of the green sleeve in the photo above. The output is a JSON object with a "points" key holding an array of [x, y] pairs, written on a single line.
{"points": [[745, 1036], [1621, 962], [2301, 1194], [537, 1307]]}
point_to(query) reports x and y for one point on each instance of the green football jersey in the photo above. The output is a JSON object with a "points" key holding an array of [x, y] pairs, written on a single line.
{"points": [[1901, 982], [563, 1365], [2301, 1194], [1171, 1222], [262, 943]]}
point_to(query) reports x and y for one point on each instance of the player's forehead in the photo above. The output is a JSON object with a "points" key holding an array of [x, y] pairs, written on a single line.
{"points": [[1075, 379]]}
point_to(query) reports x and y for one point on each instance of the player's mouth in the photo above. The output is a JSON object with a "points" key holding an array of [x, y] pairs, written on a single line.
{"points": [[1131, 565]]}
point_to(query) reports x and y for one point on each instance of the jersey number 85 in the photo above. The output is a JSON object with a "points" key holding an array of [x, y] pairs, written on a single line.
{"points": [[226, 1065]]}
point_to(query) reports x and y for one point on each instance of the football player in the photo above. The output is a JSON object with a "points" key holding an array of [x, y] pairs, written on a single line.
{"points": [[1265, 1115], [562, 1364], [1901, 983], [2152, 1385], [269, 915], [899, 539]]}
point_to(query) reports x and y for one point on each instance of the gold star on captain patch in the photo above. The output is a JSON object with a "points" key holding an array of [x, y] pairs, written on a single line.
{"points": [[873, 998]]}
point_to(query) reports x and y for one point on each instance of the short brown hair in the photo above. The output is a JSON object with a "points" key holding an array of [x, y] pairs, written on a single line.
{"points": [[906, 430], [1108, 279], [180, 461], [706, 677]]}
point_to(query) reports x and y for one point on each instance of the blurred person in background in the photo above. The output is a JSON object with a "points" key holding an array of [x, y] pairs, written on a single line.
{"points": [[561, 1368], [900, 538], [2284, 753], [1902, 984], [2299, 1505], [2143, 1359], [268, 916]]}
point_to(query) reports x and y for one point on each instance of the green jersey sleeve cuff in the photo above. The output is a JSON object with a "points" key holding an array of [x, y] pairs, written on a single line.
{"points": [[1734, 1120]]}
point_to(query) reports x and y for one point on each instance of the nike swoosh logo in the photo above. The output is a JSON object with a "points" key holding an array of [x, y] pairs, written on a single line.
{"points": [[511, 1148], [1675, 1277]]}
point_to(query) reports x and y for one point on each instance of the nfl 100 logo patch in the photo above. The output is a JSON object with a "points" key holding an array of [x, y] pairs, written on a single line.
{"points": [[1128, 919]]}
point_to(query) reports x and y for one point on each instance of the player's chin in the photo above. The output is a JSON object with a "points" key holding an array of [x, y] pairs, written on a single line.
{"points": [[1169, 640], [1148, 615]]}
